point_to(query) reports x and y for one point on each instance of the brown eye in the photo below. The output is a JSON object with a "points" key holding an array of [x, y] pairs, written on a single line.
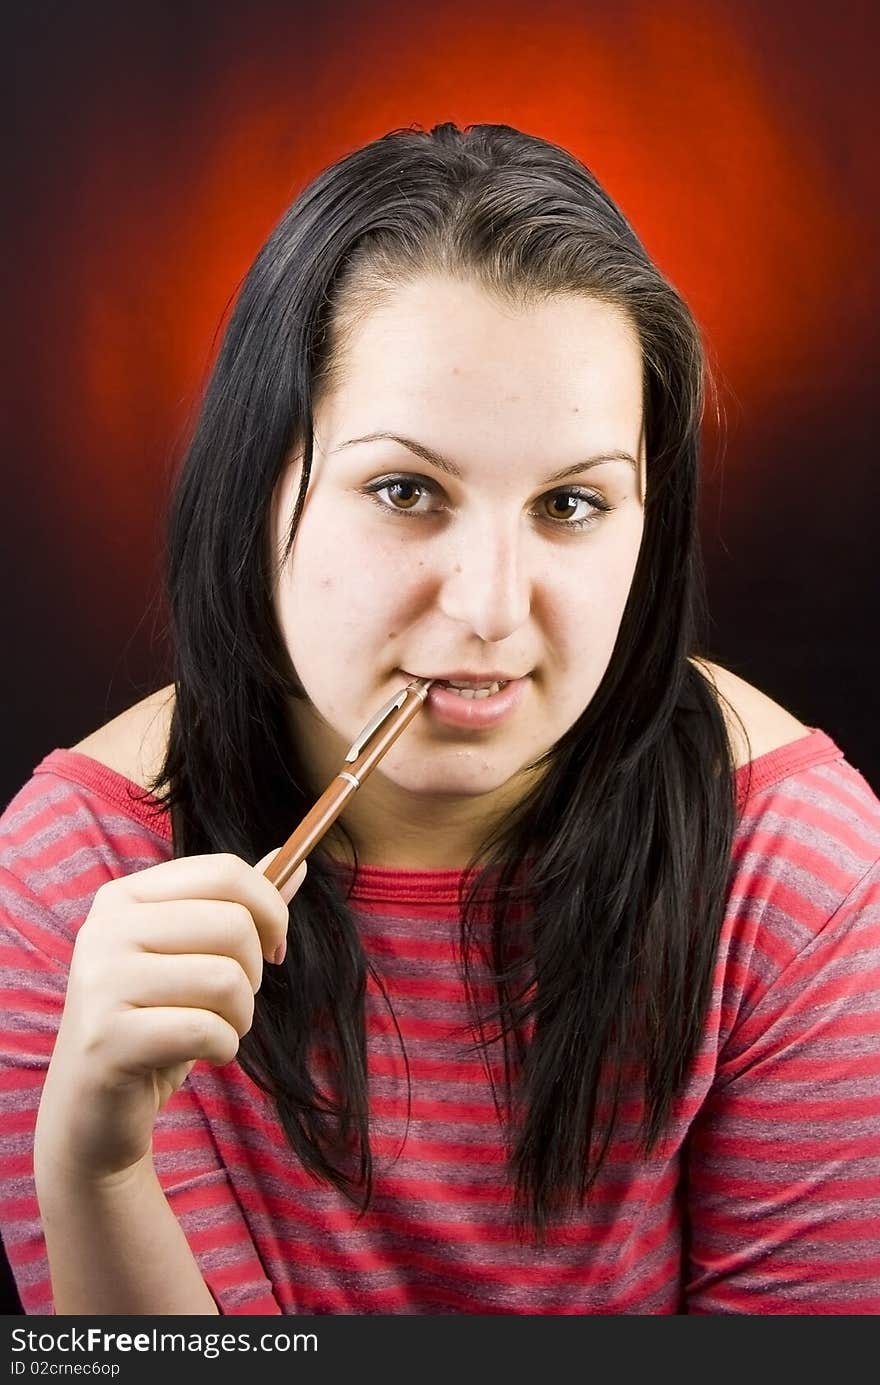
{"points": [[565, 501], [404, 494], [559, 508], [408, 493]]}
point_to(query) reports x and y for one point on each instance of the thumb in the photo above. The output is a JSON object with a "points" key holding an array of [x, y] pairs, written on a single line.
{"points": [[288, 890]]}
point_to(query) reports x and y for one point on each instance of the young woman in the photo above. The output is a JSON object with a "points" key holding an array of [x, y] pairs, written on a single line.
{"points": [[579, 1006]]}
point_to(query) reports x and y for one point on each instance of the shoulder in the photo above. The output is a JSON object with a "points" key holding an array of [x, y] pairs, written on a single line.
{"points": [[767, 724], [61, 836], [134, 743]]}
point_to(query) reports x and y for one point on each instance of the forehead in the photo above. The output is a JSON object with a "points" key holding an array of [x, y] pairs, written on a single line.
{"points": [[443, 352]]}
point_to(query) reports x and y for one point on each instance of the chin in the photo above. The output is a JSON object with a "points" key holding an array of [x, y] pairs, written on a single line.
{"points": [[450, 781]]}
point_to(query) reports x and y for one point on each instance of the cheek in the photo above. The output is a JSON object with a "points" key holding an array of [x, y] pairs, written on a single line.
{"points": [[589, 598], [618, 558], [342, 589]]}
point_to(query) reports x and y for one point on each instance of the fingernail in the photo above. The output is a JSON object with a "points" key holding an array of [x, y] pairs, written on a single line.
{"points": [[280, 953]]}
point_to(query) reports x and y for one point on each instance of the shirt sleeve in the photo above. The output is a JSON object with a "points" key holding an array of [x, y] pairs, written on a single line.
{"points": [[33, 980], [782, 1163]]}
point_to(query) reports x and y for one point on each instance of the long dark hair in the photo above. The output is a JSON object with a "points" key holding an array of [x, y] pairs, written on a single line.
{"points": [[603, 958]]}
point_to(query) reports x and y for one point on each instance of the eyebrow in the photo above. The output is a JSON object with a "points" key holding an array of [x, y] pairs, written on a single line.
{"points": [[419, 449]]}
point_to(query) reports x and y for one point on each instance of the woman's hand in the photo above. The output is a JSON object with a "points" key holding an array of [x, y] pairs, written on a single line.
{"points": [[164, 972]]}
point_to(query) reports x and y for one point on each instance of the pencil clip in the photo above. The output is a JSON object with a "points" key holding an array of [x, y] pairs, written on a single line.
{"points": [[374, 723]]}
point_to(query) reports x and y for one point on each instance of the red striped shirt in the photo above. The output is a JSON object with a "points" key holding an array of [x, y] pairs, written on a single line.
{"points": [[762, 1197]]}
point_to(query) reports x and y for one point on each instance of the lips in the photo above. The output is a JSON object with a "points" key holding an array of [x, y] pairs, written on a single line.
{"points": [[471, 713]]}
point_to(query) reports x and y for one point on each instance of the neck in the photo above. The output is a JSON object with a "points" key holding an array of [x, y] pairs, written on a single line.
{"points": [[404, 831], [396, 827]]}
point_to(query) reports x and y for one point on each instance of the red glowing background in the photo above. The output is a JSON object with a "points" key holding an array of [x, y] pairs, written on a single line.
{"points": [[156, 150]]}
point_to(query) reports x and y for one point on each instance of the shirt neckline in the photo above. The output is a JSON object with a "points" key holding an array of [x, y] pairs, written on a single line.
{"points": [[815, 748]]}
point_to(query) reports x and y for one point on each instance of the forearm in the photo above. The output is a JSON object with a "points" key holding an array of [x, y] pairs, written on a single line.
{"points": [[118, 1248]]}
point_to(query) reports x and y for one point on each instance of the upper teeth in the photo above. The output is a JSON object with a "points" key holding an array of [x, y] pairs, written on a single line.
{"points": [[474, 689]]}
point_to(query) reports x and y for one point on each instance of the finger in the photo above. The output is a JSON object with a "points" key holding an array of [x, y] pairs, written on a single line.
{"points": [[179, 926], [289, 889], [217, 876], [205, 982], [158, 1037]]}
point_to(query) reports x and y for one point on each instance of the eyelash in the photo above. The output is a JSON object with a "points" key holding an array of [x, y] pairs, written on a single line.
{"points": [[423, 484]]}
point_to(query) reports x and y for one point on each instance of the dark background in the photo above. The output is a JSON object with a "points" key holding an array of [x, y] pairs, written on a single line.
{"points": [[156, 146]]}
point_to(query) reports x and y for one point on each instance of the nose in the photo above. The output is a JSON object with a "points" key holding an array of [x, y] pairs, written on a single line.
{"points": [[488, 586]]}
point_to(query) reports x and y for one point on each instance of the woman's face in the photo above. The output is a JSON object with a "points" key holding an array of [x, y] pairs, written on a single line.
{"points": [[403, 566]]}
